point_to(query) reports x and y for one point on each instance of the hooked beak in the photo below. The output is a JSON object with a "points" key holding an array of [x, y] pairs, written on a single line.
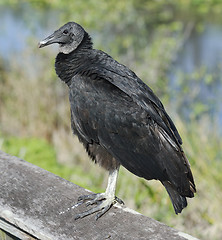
{"points": [[49, 40]]}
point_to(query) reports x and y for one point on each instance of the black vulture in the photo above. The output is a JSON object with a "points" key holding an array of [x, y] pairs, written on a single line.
{"points": [[119, 120]]}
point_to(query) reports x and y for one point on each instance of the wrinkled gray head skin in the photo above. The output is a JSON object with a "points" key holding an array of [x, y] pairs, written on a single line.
{"points": [[69, 36]]}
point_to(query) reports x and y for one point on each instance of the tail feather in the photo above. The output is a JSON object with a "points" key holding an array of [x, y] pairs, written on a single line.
{"points": [[179, 202]]}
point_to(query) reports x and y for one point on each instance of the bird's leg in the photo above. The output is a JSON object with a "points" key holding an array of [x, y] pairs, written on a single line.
{"points": [[103, 201]]}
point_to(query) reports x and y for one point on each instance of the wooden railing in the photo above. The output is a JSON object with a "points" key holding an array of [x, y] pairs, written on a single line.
{"points": [[36, 204]]}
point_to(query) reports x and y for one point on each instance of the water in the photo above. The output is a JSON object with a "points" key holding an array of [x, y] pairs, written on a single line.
{"points": [[204, 50], [18, 25], [13, 33]]}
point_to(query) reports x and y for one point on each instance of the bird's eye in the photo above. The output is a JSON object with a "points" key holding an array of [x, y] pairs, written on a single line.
{"points": [[65, 31]]}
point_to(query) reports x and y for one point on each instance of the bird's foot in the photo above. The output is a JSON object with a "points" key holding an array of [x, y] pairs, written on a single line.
{"points": [[103, 202]]}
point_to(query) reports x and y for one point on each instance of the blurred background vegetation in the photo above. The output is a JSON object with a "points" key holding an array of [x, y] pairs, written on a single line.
{"points": [[174, 46]]}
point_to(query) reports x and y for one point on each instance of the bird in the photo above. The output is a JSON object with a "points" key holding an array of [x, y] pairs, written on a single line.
{"points": [[119, 120]]}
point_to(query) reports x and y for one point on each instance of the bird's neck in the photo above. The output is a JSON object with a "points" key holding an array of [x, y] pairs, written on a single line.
{"points": [[67, 65]]}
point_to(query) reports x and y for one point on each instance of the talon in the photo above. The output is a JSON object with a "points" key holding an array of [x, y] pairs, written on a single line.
{"points": [[120, 201], [87, 197], [103, 201], [77, 217], [80, 198], [77, 204], [103, 211]]}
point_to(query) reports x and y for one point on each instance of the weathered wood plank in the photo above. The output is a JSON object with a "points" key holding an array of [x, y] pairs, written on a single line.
{"points": [[10, 229], [39, 203]]}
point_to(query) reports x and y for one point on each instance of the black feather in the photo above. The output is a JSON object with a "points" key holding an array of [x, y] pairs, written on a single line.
{"points": [[120, 120]]}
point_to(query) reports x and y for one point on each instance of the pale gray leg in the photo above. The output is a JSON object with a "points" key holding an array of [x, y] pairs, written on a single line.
{"points": [[103, 201]]}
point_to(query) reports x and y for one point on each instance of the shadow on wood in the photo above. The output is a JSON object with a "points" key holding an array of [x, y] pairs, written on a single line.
{"points": [[36, 204]]}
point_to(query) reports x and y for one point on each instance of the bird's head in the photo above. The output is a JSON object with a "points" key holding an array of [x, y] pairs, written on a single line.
{"points": [[69, 36]]}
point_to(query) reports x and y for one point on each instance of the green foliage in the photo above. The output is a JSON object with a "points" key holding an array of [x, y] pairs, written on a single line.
{"points": [[40, 153], [36, 151]]}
